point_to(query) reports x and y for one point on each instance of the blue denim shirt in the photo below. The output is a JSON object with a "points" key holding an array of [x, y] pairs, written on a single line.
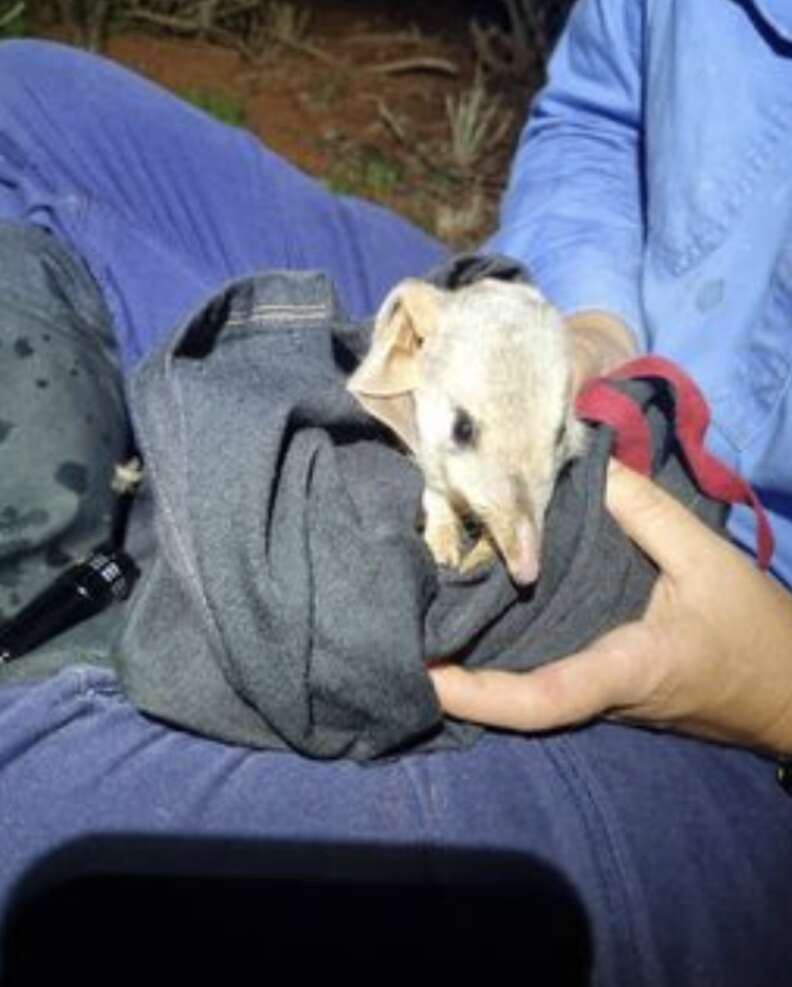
{"points": [[654, 180]]}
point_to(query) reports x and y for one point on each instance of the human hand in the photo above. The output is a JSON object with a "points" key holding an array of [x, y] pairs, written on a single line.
{"points": [[600, 343], [712, 655]]}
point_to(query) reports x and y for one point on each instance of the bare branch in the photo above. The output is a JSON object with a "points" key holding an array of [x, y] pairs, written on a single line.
{"points": [[11, 15], [415, 65], [182, 26]]}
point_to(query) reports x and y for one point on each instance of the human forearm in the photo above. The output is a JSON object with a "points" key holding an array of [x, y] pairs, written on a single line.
{"points": [[573, 211]]}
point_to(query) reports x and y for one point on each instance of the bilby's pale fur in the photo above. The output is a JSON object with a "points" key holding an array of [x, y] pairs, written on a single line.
{"points": [[481, 394]]}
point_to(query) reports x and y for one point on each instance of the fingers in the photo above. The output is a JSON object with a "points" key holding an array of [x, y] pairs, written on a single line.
{"points": [[601, 342], [571, 690], [625, 671], [658, 523]]}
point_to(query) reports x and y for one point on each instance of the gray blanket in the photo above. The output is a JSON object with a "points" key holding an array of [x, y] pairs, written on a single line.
{"points": [[287, 600]]}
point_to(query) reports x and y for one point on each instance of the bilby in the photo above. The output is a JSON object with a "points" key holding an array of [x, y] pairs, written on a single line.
{"points": [[477, 383]]}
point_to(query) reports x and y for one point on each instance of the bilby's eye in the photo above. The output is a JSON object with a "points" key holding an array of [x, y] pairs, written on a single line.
{"points": [[464, 429]]}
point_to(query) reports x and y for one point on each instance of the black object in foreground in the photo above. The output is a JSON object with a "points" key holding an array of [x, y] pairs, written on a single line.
{"points": [[106, 576]]}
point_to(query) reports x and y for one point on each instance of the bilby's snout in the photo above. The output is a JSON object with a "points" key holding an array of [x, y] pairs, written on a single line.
{"points": [[517, 535], [524, 566]]}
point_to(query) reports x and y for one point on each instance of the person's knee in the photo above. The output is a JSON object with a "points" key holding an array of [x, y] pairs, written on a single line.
{"points": [[28, 64]]}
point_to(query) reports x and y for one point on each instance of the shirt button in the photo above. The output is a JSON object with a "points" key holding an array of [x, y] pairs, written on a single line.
{"points": [[710, 295]]}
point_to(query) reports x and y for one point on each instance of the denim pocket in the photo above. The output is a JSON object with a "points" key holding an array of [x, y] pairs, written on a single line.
{"points": [[718, 130], [694, 217], [759, 384]]}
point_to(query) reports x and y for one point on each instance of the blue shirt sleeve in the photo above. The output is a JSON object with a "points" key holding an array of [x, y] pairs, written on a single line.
{"points": [[573, 210]]}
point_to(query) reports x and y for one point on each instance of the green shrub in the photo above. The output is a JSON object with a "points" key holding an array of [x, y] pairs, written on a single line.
{"points": [[228, 109]]}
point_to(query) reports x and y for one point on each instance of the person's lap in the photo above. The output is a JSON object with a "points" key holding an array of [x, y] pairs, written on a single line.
{"points": [[673, 855], [678, 852], [165, 204]]}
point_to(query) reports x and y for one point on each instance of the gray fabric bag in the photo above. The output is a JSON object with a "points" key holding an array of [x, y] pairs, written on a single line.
{"points": [[288, 600]]}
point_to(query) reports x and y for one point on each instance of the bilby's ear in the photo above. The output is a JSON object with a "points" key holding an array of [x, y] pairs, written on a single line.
{"points": [[385, 380]]}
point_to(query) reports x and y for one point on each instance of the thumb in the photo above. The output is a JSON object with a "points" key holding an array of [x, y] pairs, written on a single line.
{"points": [[571, 690], [657, 522]]}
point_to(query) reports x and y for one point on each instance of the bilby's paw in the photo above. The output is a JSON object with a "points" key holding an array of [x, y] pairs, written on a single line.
{"points": [[482, 554], [444, 543]]}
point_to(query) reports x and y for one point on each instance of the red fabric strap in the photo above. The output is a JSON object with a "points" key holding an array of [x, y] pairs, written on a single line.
{"points": [[599, 402]]}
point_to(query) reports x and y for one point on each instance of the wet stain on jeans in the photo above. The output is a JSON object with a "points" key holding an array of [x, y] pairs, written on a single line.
{"points": [[22, 348], [16, 547], [12, 520], [11, 571], [56, 558], [73, 476], [5, 429]]}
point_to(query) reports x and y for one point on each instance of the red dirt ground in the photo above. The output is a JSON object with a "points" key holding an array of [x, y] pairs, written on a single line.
{"points": [[332, 120]]}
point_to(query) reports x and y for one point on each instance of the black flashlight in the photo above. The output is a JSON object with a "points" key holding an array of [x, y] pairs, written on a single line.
{"points": [[106, 576]]}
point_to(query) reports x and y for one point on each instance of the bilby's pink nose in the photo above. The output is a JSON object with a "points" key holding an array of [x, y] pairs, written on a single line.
{"points": [[523, 562]]}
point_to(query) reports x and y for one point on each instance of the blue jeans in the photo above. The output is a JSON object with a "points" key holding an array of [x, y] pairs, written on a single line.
{"points": [[660, 860]]}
